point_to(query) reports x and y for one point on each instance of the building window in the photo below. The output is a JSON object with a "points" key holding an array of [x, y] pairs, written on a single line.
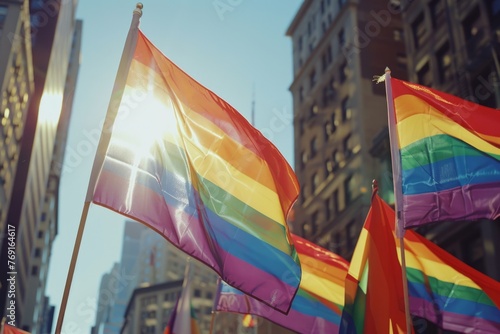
{"points": [[301, 126], [347, 145], [304, 159], [337, 157], [314, 110], [424, 75], [300, 43], [306, 230], [337, 244], [436, 8], [341, 3], [473, 31], [301, 94], [34, 270], [328, 130], [3, 14], [444, 64], [419, 31], [315, 180], [352, 235], [326, 58], [349, 189], [314, 222], [346, 111], [312, 78], [209, 295], [314, 146], [328, 166], [37, 252], [343, 72], [341, 37], [197, 293]]}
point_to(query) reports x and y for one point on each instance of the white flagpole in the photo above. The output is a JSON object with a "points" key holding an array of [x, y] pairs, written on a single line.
{"points": [[126, 59], [398, 191]]}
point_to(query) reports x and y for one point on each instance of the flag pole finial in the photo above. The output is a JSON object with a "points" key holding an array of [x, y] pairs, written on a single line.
{"points": [[138, 8], [374, 188], [387, 69]]}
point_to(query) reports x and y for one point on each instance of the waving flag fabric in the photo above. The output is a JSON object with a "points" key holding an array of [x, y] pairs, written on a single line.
{"points": [[183, 318], [446, 291], [449, 156], [374, 300], [318, 303], [443, 289], [12, 330], [185, 163]]}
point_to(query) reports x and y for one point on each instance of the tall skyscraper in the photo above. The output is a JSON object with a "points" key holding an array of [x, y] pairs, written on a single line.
{"points": [[338, 47], [17, 89], [30, 183]]}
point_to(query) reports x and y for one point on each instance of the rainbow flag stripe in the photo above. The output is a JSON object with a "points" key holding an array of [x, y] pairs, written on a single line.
{"points": [[318, 304], [446, 291], [449, 155], [184, 162], [374, 289]]}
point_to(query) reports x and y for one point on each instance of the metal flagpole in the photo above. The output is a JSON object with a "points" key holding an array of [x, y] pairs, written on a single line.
{"points": [[398, 190], [126, 59]]}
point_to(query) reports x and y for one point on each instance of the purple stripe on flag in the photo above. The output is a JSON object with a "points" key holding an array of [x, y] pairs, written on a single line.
{"points": [[451, 321], [146, 205], [470, 202], [299, 322]]}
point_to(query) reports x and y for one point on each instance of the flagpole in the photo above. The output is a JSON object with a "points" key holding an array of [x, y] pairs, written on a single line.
{"points": [[126, 59], [212, 323], [398, 191]]}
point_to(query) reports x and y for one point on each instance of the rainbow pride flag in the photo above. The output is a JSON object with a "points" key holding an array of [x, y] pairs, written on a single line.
{"points": [[318, 303], [185, 163], [443, 289], [374, 299], [449, 156], [446, 291]]}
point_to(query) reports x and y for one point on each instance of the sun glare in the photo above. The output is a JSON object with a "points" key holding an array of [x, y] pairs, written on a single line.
{"points": [[50, 108], [142, 123]]}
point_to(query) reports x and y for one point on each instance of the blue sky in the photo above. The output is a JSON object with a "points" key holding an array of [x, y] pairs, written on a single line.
{"points": [[236, 53]]}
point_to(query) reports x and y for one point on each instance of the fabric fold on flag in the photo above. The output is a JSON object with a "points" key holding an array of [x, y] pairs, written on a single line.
{"points": [[449, 153], [318, 304], [183, 318], [185, 163], [374, 299]]}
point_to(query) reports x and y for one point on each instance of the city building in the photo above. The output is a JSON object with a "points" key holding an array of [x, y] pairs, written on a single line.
{"points": [[107, 293], [17, 89], [123, 280], [454, 46], [338, 47], [37, 80], [46, 229], [150, 307]]}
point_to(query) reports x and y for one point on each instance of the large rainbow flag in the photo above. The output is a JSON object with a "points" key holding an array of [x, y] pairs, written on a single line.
{"points": [[185, 163], [374, 299], [449, 156], [318, 304]]}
